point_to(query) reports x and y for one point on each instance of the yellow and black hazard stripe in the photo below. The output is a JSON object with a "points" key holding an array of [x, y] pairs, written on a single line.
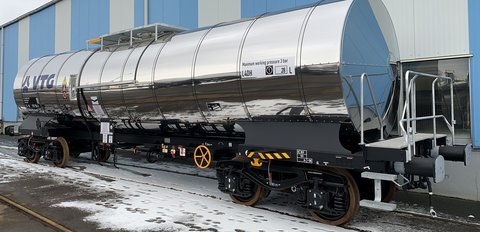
{"points": [[268, 155], [257, 156]]}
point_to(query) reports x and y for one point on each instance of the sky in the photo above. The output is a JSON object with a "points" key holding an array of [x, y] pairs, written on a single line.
{"points": [[11, 9]]}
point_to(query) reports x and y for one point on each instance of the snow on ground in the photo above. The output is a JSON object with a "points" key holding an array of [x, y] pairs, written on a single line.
{"points": [[8, 147], [155, 197], [155, 200]]}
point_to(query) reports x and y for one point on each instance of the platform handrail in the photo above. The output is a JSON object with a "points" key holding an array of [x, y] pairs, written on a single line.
{"points": [[409, 112], [363, 77]]}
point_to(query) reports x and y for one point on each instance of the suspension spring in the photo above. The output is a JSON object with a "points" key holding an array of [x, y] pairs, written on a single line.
{"points": [[339, 202]]}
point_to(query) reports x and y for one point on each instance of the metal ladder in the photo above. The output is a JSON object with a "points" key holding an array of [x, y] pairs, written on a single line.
{"points": [[409, 116], [409, 112]]}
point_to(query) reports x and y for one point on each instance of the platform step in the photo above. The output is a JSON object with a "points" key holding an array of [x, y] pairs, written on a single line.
{"points": [[379, 176], [378, 205], [400, 143]]}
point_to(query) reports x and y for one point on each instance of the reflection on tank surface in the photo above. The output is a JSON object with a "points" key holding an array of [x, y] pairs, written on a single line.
{"points": [[231, 71]]}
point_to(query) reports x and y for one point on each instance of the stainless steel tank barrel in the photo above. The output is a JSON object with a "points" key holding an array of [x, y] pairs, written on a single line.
{"points": [[304, 62]]}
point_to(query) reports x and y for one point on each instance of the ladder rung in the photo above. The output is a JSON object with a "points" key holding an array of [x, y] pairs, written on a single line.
{"points": [[379, 176], [378, 205]]}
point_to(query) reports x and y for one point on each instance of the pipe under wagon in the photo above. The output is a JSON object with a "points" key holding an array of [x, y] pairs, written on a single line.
{"points": [[303, 101]]}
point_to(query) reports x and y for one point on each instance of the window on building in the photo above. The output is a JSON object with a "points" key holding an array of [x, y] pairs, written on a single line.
{"points": [[458, 69]]}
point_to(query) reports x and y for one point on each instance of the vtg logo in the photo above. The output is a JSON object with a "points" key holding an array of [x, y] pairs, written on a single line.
{"points": [[39, 82]]}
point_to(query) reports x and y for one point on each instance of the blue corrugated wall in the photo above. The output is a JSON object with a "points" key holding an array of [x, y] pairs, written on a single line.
{"points": [[139, 13], [305, 2], [189, 13], [252, 8], [90, 19], [10, 71], [182, 13], [275, 5], [42, 33], [474, 19]]}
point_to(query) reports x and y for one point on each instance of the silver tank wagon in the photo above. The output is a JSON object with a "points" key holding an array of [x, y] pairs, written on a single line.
{"points": [[304, 62]]}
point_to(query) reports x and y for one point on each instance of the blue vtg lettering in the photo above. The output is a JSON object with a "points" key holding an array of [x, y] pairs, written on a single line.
{"points": [[38, 82]]}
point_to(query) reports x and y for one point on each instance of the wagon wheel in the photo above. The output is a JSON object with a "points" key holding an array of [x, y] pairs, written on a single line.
{"points": [[153, 156], [61, 153], [101, 154], [202, 156], [257, 194], [351, 199], [30, 155]]}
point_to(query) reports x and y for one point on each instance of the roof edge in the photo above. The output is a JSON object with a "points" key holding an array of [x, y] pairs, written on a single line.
{"points": [[40, 8]]}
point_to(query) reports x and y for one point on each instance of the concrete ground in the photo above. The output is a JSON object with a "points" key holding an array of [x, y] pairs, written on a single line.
{"points": [[38, 194], [14, 221]]}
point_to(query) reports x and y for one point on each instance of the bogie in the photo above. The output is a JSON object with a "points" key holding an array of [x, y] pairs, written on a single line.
{"points": [[330, 194], [56, 150], [30, 152]]}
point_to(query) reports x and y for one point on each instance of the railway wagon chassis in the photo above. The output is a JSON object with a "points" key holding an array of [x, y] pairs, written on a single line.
{"points": [[56, 138]]}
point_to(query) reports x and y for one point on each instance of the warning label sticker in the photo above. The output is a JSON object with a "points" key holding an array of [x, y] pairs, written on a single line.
{"points": [[268, 67]]}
